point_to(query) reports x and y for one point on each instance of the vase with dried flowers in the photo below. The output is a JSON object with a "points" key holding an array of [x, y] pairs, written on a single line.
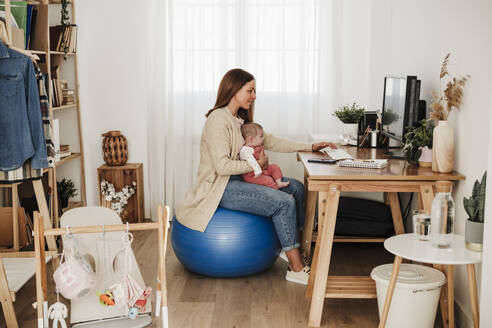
{"points": [[441, 106]]}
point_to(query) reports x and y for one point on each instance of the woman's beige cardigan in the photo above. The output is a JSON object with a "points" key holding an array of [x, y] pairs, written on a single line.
{"points": [[218, 161]]}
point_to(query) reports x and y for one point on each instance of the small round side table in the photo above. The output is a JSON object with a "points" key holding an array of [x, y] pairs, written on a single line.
{"points": [[409, 247]]}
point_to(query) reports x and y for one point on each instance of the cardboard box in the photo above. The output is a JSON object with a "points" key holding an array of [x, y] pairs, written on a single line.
{"points": [[6, 233]]}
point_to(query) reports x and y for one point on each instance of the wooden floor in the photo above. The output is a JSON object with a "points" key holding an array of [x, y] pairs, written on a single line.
{"points": [[264, 300]]}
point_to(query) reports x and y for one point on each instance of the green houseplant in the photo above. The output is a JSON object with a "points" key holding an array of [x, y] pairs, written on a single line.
{"points": [[349, 114], [66, 190], [350, 117], [475, 208], [418, 144]]}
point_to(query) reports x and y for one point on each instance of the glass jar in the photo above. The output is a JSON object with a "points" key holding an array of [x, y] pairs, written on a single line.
{"points": [[442, 219]]}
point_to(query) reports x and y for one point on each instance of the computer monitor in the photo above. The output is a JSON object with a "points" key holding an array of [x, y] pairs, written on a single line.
{"points": [[400, 106]]}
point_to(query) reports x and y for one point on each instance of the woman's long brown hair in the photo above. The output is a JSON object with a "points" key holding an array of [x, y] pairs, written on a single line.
{"points": [[231, 83]]}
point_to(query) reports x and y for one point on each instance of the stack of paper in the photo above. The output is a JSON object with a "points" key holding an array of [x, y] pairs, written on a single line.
{"points": [[364, 163]]}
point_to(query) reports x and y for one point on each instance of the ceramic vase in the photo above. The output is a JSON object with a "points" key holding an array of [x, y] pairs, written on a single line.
{"points": [[425, 159], [443, 148], [115, 148]]}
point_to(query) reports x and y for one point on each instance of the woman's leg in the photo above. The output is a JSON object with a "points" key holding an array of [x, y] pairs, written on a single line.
{"points": [[296, 189], [261, 200]]}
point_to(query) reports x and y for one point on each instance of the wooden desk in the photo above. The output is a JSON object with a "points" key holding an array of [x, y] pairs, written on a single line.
{"points": [[329, 181]]}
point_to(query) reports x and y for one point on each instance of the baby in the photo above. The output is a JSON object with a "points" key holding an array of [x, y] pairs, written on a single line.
{"points": [[272, 176]]}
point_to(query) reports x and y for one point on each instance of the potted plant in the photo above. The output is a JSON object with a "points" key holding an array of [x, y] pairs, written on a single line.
{"points": [[474, 207], [66, 190], [350, 117], [418, 144]]}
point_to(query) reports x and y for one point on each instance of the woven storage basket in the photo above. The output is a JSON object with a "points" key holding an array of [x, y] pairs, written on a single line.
{"points": [[115, 148]]}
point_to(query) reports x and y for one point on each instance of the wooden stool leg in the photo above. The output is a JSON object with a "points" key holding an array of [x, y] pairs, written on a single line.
{"points": [[472, 281], [450, 277], [6, 299], [309, 222], [389, 293], [329, 201], [443, 299]]}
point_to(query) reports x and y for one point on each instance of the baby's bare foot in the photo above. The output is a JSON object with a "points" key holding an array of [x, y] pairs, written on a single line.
{"points": [[282, 184]]}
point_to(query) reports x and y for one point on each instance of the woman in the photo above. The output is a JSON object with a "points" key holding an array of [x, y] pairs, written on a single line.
{"points": [[219, 181]]}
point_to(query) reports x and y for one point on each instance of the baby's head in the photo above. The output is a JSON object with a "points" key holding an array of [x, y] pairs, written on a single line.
{"points": [[252, 134]]}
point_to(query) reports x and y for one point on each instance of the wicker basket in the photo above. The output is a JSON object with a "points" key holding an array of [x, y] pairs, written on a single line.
{"points": [[115, 148]]}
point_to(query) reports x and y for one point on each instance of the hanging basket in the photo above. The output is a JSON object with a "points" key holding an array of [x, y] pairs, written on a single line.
{"points": [[115, 148]]}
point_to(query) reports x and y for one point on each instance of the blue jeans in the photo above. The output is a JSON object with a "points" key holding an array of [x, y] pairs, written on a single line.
{"points": [[284, 206]]}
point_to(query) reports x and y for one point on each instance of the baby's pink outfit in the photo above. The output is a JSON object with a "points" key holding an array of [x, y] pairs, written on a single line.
{"points": [[268, 176]]}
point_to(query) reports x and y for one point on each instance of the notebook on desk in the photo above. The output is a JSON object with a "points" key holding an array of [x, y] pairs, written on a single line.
{"points": [[364, 163]]}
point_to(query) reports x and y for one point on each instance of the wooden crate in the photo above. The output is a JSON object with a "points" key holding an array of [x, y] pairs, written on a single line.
{"points": [[121, 176]]}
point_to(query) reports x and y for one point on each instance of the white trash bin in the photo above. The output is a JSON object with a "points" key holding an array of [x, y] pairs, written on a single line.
{"points": [[415, 298]]}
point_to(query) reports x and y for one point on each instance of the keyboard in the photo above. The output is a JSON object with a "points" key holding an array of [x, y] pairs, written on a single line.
{"points": [[337, 154]]}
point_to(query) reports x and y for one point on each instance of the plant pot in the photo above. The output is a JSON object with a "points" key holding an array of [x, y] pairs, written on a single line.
{"points": [[443, 148], [350, 130], [64, 202], [474, 235], [425, 159]]}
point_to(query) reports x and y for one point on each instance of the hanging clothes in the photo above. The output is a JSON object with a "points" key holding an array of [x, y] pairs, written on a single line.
{"points": [[21, 128], [45, 113]]}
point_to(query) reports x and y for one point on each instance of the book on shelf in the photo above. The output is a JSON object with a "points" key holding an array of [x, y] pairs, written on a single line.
{"points": [[63, 38], [30, 13], [64, 154], [38, 38], [55, 36]]}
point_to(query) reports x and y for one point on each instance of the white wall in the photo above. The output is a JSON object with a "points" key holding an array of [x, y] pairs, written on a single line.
{"points": [[412, 38], [486, 297], [112, 66]]}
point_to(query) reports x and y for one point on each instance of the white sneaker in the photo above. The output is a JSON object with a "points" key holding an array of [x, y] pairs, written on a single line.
{"points": [[306, 259], [301, 277], [283, 256]]}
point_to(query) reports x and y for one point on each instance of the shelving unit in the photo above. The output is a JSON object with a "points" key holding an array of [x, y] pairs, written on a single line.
{"points": [[72, 166]]}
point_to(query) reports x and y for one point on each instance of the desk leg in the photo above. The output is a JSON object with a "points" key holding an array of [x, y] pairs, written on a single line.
{"points": [[396, 212], [389, 292], [328, 211], [426, 197], [307, 234], [472, 281]]}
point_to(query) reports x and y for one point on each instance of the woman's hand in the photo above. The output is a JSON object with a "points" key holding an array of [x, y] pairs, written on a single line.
{"points": [[321, 145], [263, 160]]}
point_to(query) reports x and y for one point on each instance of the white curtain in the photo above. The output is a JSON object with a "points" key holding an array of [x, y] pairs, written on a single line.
{"points": [[290, 46]]}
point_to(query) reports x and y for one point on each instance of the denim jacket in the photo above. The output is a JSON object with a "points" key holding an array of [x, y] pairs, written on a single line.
{"points": [[21, 127]]}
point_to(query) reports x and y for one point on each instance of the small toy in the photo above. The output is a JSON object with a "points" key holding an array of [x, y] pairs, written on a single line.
{"points": [[58, 312], [106, 298], [142, 301], [133, 313]]}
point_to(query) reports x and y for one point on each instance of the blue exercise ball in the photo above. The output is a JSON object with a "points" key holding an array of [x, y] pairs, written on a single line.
{"points": [[234, 244]]}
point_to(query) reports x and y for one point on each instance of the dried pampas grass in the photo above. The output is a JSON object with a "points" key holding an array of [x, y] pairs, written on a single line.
{"points": [[441, 106]]}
